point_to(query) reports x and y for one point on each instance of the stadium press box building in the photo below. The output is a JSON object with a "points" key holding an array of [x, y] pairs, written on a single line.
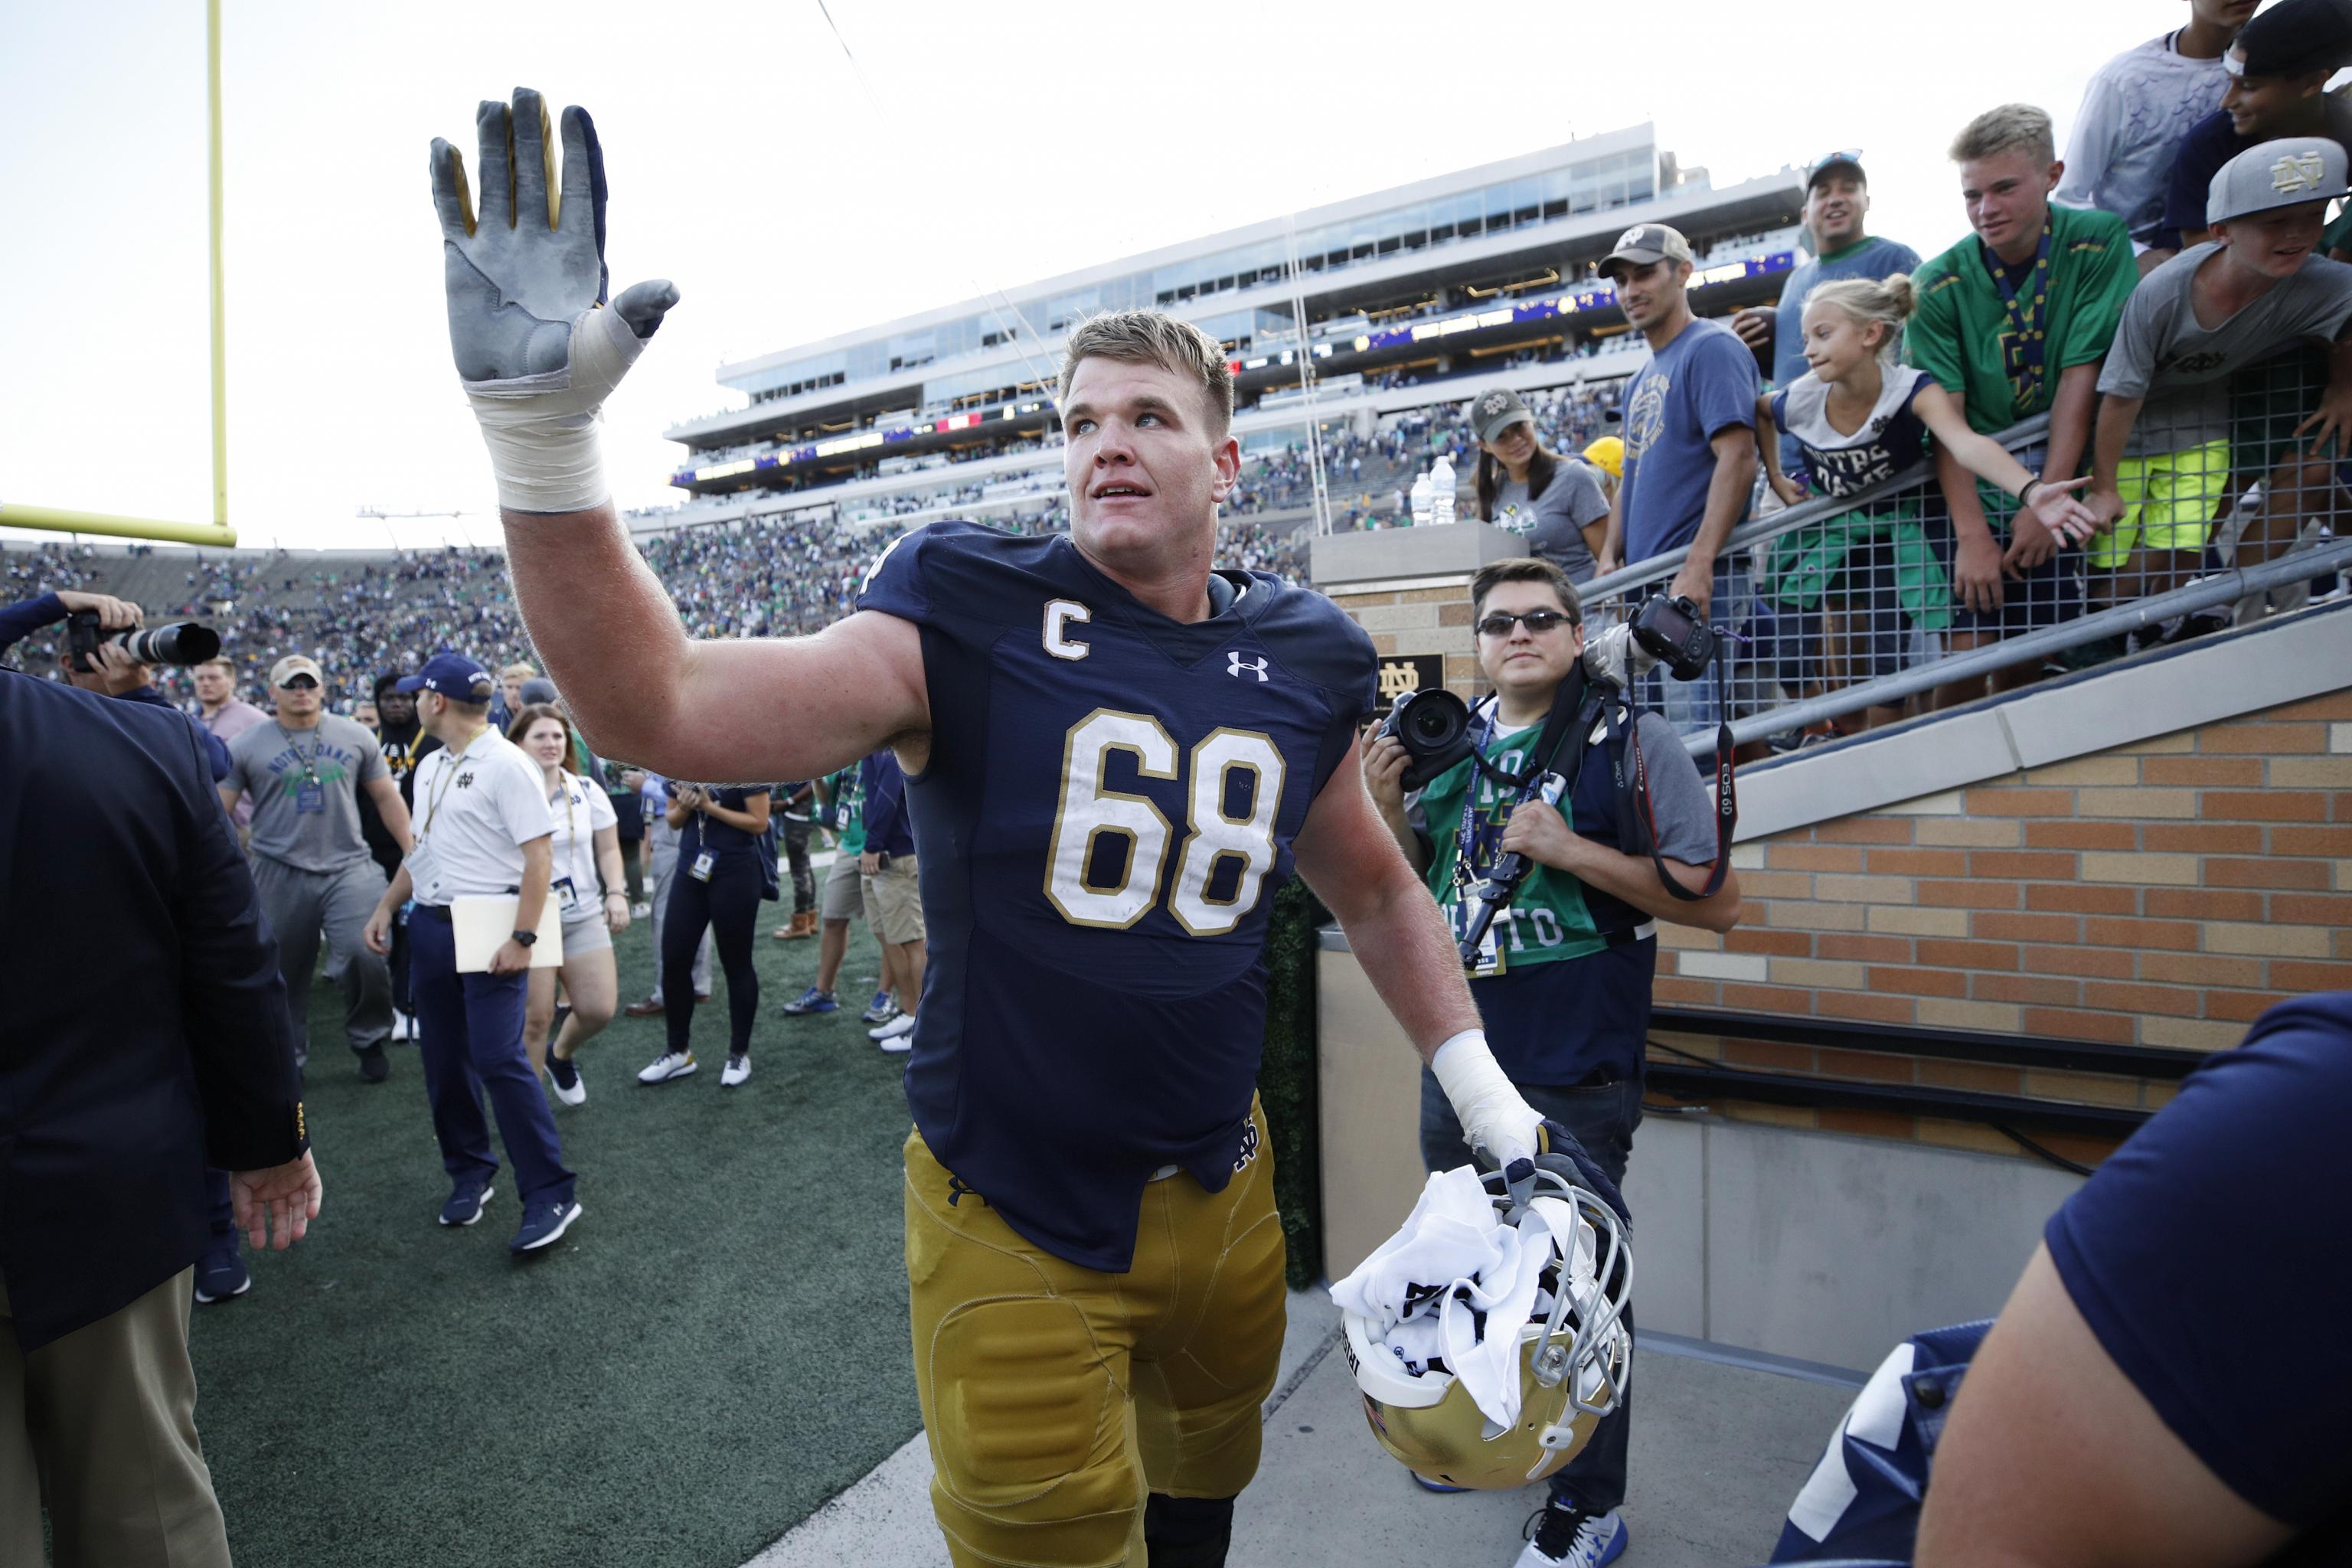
{"points": [[1449, 281]]}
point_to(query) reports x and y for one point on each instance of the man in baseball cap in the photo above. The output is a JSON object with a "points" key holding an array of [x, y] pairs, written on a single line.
{"points": [[282, 673], [1644, 244], [2278, 66], [455, 676], [2261, 282], [1837, 211]]}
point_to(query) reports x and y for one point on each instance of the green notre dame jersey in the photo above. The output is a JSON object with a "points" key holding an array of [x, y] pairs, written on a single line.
{"points": [[1961, 332]]}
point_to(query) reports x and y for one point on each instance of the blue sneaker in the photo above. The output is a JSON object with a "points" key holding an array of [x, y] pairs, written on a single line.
{"points": [[1568, 1537], [221, 1275], [467, 1204], [811, 1001], [883, 1010], [542, 1222]]}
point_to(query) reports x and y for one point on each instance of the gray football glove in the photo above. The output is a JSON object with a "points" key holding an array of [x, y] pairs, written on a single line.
{"points": [[536, 345]]}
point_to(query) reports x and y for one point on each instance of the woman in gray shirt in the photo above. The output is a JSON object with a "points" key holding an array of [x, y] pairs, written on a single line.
{"points": [[1524, 486]]}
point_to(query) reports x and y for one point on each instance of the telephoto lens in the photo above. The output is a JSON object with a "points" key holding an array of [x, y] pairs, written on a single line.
{"points": [[1434, 726], [181, 642]]}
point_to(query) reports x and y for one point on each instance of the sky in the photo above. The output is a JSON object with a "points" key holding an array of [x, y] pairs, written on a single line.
{"points": [[747, 163]]}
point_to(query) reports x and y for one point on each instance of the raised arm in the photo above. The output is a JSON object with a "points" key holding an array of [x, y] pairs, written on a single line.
{"points": [[538, 348]]}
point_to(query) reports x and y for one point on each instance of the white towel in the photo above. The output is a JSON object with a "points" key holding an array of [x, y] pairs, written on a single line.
{"points": [[1452, 1243]]}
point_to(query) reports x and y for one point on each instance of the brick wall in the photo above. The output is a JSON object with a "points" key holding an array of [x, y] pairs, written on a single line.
{"points": [[2160, 894], [1421, 620]]}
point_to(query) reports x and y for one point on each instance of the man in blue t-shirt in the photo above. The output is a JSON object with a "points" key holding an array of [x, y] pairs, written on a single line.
{"points": [[2167, 1384], [1837, 203], [1690, 446]]}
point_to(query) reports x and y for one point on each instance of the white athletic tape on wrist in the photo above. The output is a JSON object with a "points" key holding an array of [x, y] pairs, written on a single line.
{"points": [[1494, 1115], [542, 429]]}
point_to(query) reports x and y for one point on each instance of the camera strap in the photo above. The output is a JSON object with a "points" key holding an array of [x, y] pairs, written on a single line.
{"points": [[1572, 713], [1637, 822]]}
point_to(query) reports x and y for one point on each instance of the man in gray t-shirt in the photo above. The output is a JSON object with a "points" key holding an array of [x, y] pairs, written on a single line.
{"points": [[304, 769], [2168, 453]]}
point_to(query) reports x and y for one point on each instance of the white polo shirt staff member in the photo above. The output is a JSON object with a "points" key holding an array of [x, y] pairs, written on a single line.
{"points": [[483, 828]]}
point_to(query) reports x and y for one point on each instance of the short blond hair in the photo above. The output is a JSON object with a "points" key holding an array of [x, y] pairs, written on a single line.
{"points": [[1155, 337], [519, 669], [1999, 129], [226, 665]]}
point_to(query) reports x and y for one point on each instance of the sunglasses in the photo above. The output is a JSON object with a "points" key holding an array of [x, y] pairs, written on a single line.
{"points": [[1538, 622], [298, 683]]}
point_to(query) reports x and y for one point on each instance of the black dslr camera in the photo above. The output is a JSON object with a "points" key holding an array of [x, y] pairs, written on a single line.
{"points": [[1673, 632], [1433, 727], [177, 642]]}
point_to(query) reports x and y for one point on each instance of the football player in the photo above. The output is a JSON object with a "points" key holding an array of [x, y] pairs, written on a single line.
{"points": [[1115, 754]]}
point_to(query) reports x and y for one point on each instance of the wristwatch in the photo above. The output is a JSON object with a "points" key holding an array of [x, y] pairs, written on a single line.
{"points": [[526, 937]]}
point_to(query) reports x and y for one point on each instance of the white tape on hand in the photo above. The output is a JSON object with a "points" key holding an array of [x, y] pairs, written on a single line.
{"points": [[542, 429], [1495, 1116]]}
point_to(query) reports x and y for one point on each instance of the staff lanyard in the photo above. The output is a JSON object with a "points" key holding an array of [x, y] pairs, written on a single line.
{"points": [[310, 762], [2025, 344], [433, 803], [571, 825]]}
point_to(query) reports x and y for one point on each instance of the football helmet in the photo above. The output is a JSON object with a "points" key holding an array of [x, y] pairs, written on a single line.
{"points": [[1573, 1359]]}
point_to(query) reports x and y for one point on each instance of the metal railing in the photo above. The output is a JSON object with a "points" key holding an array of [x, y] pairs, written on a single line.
{"points": [[1845, 606]]}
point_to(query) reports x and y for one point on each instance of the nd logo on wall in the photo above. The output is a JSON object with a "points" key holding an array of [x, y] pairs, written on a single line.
{"points": [[1403, 674]]}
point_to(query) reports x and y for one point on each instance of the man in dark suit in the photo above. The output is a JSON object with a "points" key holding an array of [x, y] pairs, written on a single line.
{"points": [[145, 1036]]}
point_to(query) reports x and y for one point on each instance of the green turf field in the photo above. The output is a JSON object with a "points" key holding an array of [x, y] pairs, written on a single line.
{"points": [[715, 1348]]}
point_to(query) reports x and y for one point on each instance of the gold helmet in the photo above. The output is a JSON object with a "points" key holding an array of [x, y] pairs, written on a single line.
{"points": [[1573, 1359]]}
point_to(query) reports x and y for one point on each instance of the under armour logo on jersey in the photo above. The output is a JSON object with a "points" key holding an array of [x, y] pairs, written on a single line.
{"points": [[2297, 172], [1237, 666]]}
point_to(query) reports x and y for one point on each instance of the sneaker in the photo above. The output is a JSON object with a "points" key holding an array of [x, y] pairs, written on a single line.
{"points": [[737, 1069], [883, 1010], [375, 1066], [640, 910], [668, 1065], [1565, 1534], [467, 1204], [404, 1026], [811, 1001], [541, 1224], [221, 1275], [895, 1035], [564, 1074]]}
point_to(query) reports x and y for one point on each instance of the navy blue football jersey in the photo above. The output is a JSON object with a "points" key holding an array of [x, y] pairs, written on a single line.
{"points": [[1108, 810]]}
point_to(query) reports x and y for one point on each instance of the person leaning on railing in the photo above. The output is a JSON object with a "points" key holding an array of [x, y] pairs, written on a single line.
{"points": [[1564, 993], [1859, 418], [2167, 446], [2014, 320]]}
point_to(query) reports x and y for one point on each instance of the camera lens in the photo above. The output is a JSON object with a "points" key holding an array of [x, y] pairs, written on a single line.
{"points": [[182, 642], [1432, 725]]}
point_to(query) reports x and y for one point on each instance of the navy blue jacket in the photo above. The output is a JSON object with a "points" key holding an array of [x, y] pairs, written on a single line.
{"points": [[146, 1034]]}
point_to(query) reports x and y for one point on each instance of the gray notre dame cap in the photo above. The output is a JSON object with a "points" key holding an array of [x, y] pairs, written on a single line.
{"points": [[2286, 173], [1645, 242]]}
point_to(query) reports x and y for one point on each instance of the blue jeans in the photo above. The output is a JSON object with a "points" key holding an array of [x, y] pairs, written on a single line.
{"points": [[1602, 1117], [470, 1038]]}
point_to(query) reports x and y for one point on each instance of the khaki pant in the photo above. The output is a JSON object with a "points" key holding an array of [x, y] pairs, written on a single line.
{"points": [[101, 1424]]}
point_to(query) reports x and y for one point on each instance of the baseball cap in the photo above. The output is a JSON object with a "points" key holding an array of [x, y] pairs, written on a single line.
{"points": [[1850, 158], [2293, 37], [539, 688], [2286, 173], [1496, 410], [1608, 455], [1645, 242], [292, 664], [455, 676]]}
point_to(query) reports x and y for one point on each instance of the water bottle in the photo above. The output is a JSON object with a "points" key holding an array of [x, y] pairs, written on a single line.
{"points": [[1422, 496], [1440, 484]]}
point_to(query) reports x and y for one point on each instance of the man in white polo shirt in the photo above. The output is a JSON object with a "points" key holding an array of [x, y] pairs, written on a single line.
{"points": [[483, 829]]}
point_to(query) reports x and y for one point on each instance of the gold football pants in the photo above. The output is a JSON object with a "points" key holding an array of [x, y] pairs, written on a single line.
{"points": [[1056, 1398]]}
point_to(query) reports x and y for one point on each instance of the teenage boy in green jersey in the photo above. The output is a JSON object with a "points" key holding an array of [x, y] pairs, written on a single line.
{"points": [[1565, 1001], [2015, 321]]}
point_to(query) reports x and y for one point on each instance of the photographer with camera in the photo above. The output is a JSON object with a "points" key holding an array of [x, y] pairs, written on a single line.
{"points": [[109, 651], [1537, 787]]}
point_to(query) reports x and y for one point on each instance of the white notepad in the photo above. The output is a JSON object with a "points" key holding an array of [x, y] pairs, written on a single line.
{"points": [[483, 924]]}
